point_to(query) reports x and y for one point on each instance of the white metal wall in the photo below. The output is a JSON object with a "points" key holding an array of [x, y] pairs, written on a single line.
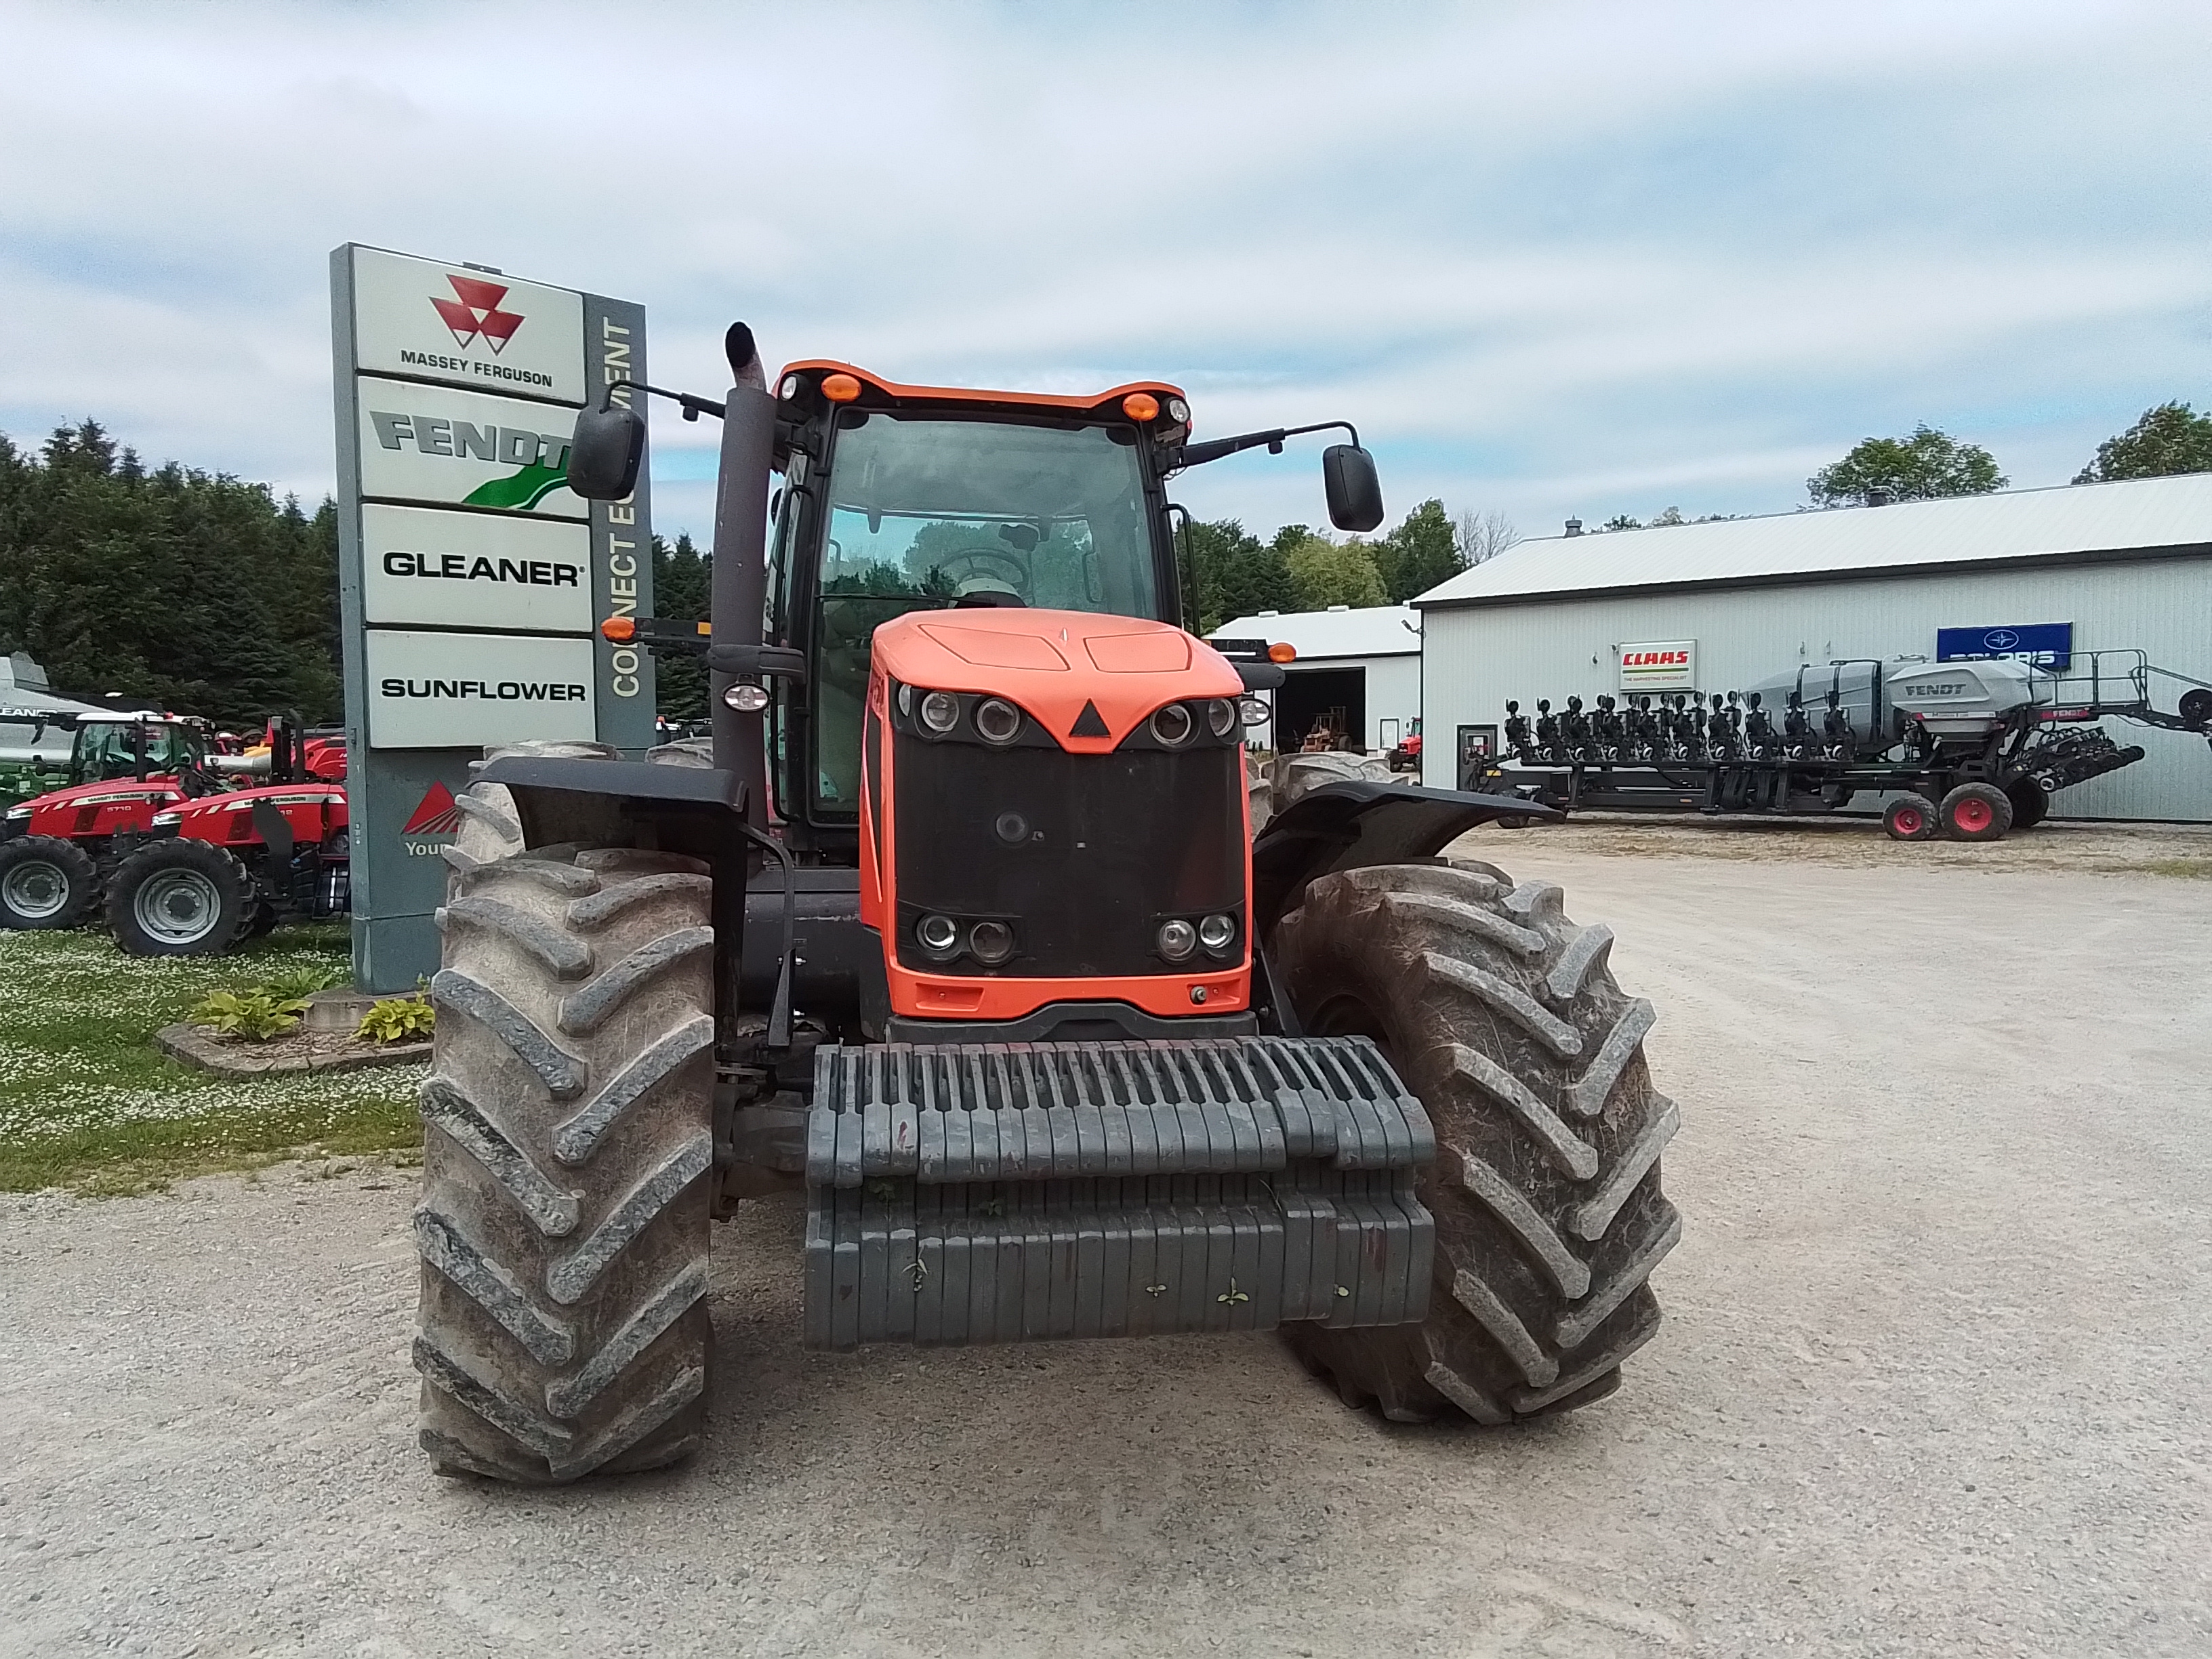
{"points": [[1476, 657]]}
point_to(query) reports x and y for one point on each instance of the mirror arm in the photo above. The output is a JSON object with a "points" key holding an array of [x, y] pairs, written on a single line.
{"points": [[1214, 449], [694, 407]]}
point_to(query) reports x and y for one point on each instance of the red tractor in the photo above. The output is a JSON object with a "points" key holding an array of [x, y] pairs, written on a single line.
{"points": [[186, 864], [57, 849], [958, 927]]}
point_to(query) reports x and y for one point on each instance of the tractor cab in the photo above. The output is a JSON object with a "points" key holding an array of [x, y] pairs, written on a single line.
{"points": [[140, 745]]}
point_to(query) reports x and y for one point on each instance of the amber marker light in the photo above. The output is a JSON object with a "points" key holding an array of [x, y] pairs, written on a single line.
{"points": [[1282, 651], [618, 629], [1141, 406], [840, 388]]}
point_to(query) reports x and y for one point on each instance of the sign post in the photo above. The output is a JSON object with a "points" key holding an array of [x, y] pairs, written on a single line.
{"points": [[471, 581]]}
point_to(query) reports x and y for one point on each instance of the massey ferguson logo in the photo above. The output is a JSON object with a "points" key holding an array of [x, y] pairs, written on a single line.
{"points": [[434, 814], [474, 310]]}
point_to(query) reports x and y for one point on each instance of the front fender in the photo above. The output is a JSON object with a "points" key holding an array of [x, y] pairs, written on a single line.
{"points": [[1348, 825]]}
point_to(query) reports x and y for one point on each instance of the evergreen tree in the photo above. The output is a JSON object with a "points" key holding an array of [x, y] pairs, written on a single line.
{"points": [[682, 579], [1328, 573], [1233, 573], [172, 587]]}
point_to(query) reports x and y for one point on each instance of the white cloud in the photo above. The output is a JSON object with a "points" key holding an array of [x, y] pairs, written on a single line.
{"points": [[1566, 259]]}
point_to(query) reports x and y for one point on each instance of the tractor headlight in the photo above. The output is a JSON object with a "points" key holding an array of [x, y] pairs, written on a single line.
{"points": [[990, 942], [938, 935], [1221, 717], [167, 818], [1177, 939], [1172, 726], [998, 720], [745, 699], [940, 712], [22, 811], [1253, 710], [1216, 933]]}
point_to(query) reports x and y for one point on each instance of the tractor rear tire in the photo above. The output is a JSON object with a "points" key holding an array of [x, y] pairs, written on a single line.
{"points": [[46, 882], [1909, 817], [2031, 803], [1295, 774], [180, 898], [567, 1169], [1502, 1017], [1976, 811]]}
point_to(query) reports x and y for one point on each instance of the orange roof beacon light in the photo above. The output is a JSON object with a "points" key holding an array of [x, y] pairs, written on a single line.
{"points": [[840, 388], [1282, 651], [620, 630], [1140, 406]]}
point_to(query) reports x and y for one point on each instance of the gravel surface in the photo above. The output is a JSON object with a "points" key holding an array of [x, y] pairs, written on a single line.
{"points": [[1933, 1380]]}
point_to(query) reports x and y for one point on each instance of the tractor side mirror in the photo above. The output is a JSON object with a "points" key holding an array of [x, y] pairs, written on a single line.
{"points": [[605, 454], [1355, 493]]}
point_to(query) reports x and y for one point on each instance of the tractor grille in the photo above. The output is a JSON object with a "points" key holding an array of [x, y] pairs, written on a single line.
{"points": [[1083, 855], [968, 1193]]}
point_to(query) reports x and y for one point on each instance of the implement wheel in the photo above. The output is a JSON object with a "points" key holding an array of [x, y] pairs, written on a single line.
{"points": [[2031, 803], [1909, 817], [1976, 811], [567, 1162], [45, 882], [1503, 1018]]}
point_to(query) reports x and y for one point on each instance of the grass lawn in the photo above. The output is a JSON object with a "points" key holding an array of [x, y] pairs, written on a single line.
{"points": [[87, 1102]]}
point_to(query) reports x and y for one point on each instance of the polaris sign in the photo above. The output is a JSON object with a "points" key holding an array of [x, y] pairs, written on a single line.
{"points": [[471, 579], [2044, 645]]}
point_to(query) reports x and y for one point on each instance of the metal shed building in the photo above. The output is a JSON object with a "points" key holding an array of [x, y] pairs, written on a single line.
{"points": [[2080, 569], [1362, 666]]}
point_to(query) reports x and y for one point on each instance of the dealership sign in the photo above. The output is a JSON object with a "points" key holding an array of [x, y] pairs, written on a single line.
{"points": [[471, 579], [2046, 644], [1659, 666]]}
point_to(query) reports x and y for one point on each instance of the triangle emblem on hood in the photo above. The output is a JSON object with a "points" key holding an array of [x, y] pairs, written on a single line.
{"points": [[1088, 723]]}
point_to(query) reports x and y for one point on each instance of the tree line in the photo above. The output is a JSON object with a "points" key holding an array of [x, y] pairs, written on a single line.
{"points": [[201, 593]]}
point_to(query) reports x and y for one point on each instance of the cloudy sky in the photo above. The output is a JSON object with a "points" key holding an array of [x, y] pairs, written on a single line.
{"points": [[1553, 258]]}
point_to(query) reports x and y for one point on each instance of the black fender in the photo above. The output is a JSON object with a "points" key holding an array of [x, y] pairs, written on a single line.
{"points": [[562, 798], [1349, 825]]}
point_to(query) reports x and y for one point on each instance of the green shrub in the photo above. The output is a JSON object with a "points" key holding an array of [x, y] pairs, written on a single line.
{"points": [[256, 1014], [396, 1019], [305, 981]]}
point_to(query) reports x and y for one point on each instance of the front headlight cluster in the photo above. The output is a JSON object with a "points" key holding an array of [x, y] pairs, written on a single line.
{"points": [[1181, 937], [1175, 725], [18, 812], [939, 713], [944, 937]]}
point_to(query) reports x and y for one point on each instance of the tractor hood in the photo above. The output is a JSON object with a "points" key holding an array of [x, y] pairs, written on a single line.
{"points": [[209, 807], [159, 790], [1056, 664]]}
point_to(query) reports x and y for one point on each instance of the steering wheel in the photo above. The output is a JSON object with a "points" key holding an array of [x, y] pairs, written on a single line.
{"points": [[1003, 569]]}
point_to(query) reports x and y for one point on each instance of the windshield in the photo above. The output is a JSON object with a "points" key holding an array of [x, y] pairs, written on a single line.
{"points": [[1053, 517], [105, 749], [924, 513]]}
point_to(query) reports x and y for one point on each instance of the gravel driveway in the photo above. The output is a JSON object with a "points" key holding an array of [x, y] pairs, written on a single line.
{"points": [[1935, 1379]]}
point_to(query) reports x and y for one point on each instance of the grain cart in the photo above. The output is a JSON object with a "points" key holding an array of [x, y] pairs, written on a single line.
{"points": [[955, 929]]}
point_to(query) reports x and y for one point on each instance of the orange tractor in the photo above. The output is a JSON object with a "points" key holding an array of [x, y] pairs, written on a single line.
{"points": [[957, 928]]}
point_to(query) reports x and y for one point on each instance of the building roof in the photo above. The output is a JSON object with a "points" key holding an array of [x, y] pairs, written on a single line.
{"points": [[2135, 516], [1375, 630]]}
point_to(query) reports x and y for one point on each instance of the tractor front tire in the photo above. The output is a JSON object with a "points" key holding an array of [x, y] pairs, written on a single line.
{"points": [[2031, 802], [1502, 1018], [567, 1167], [46, 882], [180, 898]]}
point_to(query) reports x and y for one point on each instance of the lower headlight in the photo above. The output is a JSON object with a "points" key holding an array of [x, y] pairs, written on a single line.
{"points": [[990, 942], [938, 935], [1216, 933], [1221, 716], [1177, 939]]}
